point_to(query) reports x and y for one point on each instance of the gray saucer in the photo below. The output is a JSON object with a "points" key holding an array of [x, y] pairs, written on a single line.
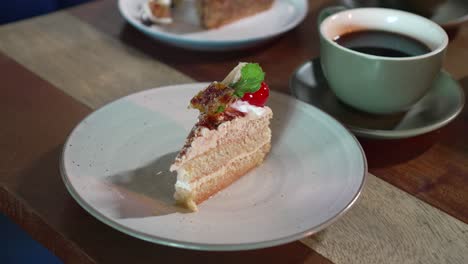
{"points": [[441, 105]]}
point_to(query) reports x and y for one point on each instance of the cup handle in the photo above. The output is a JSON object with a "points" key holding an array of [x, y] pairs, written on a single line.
{"points": [[326, 12]]}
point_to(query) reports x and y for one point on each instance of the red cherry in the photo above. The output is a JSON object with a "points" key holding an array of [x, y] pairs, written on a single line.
{"points": [[258, 98]]}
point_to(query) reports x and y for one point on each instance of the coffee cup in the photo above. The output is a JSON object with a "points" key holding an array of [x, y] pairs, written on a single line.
{"points": [[379, 60]]}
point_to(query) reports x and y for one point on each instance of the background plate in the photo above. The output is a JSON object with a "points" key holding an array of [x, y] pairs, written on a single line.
{"points": [[115, 164], [186, 31]]}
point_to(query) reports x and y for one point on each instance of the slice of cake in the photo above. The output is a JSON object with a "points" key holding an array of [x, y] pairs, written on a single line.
{"points": [[212, 13], [216, 13], [232, 135]]}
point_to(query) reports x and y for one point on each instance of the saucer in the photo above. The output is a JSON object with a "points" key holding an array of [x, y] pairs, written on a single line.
{"points": [[442, 104], [447, 13]]}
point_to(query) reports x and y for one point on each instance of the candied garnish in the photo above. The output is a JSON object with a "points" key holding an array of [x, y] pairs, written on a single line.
{"points": [[210, 121], [214, 105], [213, 99]]}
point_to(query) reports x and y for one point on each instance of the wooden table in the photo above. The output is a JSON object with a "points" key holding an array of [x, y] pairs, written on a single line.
{"points": [[57, 68]]}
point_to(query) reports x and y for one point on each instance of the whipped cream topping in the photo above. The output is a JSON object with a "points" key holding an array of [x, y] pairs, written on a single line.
{"points": [[183, 185], [245, 107], [148, 15], [241, 106]]}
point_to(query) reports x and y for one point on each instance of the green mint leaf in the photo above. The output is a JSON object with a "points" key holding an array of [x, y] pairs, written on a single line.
{"points": [[238, 93], [252, 76], [220, 109]]}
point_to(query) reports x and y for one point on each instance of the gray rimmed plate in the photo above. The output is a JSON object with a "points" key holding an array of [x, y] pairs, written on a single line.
{"points": [[186, 31], [442, 104], [115, 165]]}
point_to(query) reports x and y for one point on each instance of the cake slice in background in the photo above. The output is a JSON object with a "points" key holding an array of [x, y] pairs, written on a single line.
{"points": [[212, 13], [216, 13], [232, 135]]}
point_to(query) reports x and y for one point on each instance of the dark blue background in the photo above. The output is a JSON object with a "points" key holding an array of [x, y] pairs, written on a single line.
{"points": [[12, 10], [17, 247]]}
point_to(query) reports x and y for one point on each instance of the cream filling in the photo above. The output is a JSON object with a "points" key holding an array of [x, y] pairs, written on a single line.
{"points": [[183, 185], [189, 187]]}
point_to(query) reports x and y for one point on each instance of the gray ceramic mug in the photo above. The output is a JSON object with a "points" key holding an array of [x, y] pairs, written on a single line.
{"points": [[377, 84]]}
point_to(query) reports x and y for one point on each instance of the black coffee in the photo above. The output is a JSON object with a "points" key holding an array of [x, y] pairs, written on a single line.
{"points": [[382, 43]]}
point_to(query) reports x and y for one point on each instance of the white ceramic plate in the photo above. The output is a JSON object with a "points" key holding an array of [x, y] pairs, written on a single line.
{"points": [[115, 164], [186, 31]]}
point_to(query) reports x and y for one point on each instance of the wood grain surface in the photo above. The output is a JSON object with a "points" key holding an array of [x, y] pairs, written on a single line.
{"points": [[278, 57], [87, 54], [36, 117], [384, 216], [388, 225]]}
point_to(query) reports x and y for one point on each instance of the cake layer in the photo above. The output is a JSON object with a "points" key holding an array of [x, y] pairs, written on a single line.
{"points": [[245, 141], [215, 13], [222, 156], [228, 148], [203, 139], [200, 190]]}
